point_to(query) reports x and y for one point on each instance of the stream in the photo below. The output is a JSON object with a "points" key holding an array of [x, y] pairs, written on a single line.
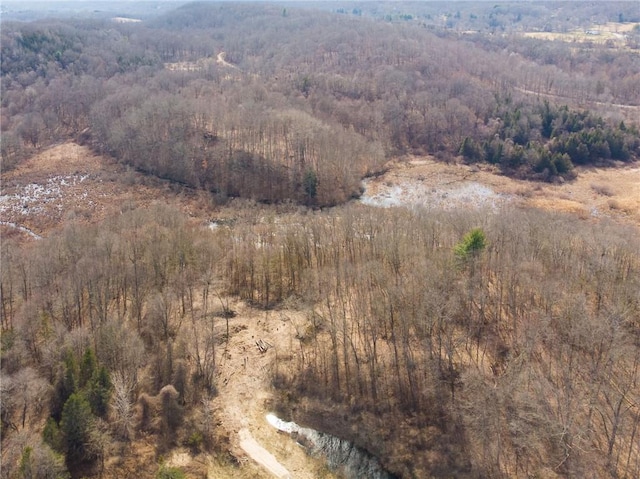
{"points": [[21, 228], [341, 455]]}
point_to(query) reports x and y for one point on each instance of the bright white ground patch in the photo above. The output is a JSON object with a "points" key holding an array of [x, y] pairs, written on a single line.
{"points": [[280, 425], [413, 193], [32, 198]]}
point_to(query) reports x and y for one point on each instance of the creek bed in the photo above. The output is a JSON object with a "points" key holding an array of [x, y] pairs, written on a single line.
{"points": [[341, 455]]}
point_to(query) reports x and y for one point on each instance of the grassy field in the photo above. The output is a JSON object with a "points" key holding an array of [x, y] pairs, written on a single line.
{"points": [[596, 193], [610, 33]]}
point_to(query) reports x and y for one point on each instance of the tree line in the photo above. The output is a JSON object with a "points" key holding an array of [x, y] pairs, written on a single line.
{"points": [[546, 141]]}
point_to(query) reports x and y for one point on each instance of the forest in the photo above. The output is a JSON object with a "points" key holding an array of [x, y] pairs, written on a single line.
{"points": [[306, 118], [445, 342]]}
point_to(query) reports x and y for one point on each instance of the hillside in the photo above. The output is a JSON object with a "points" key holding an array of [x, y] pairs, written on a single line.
{"points": [[410, 228], [287, 322]]}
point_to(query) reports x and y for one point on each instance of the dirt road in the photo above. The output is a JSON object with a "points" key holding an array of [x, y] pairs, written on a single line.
{"points": [[263, 457], [220, 59], [246, 395]]}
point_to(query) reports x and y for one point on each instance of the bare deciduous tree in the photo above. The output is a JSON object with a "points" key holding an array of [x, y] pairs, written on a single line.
{"points": [[122, 405]]}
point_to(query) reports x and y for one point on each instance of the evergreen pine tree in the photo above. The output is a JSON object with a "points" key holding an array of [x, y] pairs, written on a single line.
{"points": [[75, 426], [66, 384], [99, 392], [88, 367]]}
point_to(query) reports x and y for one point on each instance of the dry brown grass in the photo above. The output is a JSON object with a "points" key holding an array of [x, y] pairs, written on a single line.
{"points": [[70, 182], [602, 189], [611, 33], [595, 193]]}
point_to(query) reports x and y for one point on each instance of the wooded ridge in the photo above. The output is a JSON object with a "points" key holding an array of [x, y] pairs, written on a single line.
{"points": [[460, 342]]}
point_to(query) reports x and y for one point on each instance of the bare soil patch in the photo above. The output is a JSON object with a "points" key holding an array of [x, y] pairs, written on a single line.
{"points": [[246, 394]]}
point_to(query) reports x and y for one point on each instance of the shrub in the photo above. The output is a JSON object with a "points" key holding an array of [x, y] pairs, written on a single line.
{"points": [[471, 245], [195, 441], [170, 473]]}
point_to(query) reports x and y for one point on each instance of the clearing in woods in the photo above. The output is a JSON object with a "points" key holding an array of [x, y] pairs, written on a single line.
{"points": [[422, 181], [69, 182], [610, 33]]}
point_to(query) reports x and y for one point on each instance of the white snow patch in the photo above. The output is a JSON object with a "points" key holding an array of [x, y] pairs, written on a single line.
{"points": [[280, 425], [32, 197], [412, 193], [126, 20]]}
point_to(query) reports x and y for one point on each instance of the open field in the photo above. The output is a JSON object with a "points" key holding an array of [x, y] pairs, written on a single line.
{"points": [[610, 33], [422, 182], [69, 182]]}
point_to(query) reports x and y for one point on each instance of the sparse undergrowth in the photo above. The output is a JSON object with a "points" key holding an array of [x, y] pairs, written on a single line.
{"points": [[467, 336], [416, 350]]}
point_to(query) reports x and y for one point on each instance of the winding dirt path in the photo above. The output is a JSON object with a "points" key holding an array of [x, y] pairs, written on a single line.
{"points": [[262, 456], [553, 96], [220, 59], [246, 395]]}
